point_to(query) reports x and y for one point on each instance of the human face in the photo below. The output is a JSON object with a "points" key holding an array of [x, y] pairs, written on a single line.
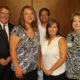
{"points": [[53, 30], [28, 16], [4, 15], [76, 23], [44, 17]]}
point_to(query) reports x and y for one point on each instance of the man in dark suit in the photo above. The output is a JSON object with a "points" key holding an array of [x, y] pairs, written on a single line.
{"points": [[5, 59]]}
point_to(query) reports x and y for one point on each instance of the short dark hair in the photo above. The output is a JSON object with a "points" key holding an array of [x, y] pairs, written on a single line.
{"points": [[73, 15], [44, 9], [49, 24], [7, 8]]}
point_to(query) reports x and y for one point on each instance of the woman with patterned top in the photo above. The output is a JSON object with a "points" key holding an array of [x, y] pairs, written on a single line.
{"points": [[73, 42], [54, 52], [24, 44]]}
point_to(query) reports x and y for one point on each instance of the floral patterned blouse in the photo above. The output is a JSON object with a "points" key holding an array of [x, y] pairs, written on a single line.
{"points": [[27, 49], [73, 58]]}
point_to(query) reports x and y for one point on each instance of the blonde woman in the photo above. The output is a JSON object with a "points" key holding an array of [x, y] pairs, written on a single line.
{"points": [[24, 44]]}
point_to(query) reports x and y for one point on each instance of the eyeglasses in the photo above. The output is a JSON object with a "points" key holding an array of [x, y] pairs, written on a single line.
{"points": [[44, 14], [4, 13]]}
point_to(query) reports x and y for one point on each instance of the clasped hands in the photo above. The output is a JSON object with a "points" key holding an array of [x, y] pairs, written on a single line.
{"points": [[47, 72], [4, 62]]}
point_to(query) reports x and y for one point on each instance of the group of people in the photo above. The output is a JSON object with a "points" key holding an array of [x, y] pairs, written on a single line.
{"points": [[30, 47]]}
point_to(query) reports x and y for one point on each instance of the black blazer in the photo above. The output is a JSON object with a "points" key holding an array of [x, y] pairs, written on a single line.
{"points": [[4, 44]]}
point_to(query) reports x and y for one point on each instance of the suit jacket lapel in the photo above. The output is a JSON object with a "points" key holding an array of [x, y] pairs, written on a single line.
{"points": [[9, 27]]}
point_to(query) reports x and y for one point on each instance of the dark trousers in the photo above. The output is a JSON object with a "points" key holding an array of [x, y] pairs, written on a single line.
{"points": [[28, 76], [5, 72], [59, 77], [70, 79]]}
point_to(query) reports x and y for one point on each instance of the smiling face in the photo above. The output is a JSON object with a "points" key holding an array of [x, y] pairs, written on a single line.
{"points": [[44, 16], [53, 29], [4, 15], [76, 23], [28, 16]]}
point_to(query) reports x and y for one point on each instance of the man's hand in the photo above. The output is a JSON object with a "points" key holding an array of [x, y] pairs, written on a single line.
{"points": [[3, 62]]}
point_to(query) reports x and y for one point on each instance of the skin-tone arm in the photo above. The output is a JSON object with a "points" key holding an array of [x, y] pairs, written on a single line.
{"points": [[14, 40], [63, 54]]}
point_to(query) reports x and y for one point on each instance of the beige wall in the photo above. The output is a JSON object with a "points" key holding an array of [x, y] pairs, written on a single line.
{"points": [[61, 10], [15, 8]]}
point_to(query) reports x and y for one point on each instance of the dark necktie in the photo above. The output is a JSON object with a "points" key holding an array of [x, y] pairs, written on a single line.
{"points": [[5, 33]]}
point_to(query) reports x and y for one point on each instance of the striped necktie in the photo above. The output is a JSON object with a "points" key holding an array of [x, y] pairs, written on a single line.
{"points": [[5, 33]]}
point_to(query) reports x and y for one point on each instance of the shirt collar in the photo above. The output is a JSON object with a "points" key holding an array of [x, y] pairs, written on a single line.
{"points": [[3, 24]]}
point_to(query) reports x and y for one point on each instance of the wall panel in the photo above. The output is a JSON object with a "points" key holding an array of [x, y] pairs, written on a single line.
{"points": [[15, 8], [61, 10], [76, 5]]}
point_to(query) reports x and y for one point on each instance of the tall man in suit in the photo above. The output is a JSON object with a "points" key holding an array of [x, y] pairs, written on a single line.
{"points": [[5, 28]]}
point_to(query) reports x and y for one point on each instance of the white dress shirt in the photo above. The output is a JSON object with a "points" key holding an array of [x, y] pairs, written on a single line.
{"points": [[6, 28], [42, 32]]}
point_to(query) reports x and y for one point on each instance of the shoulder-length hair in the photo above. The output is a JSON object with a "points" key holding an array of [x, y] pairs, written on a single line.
{"points": [[21, 18], [49, 24]]}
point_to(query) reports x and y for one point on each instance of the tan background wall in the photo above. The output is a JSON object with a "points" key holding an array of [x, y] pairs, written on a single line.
{"points": [[61, 10], [15, 8]]}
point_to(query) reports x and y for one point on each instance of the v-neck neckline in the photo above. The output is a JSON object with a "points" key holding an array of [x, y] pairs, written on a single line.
{"points": [[51, 41], [27, 34]]}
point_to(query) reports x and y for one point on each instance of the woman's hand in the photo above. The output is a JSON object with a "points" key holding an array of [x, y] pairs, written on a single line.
{"points": [[8, 59], [47, 72], [79, 78], [19, 72]]}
